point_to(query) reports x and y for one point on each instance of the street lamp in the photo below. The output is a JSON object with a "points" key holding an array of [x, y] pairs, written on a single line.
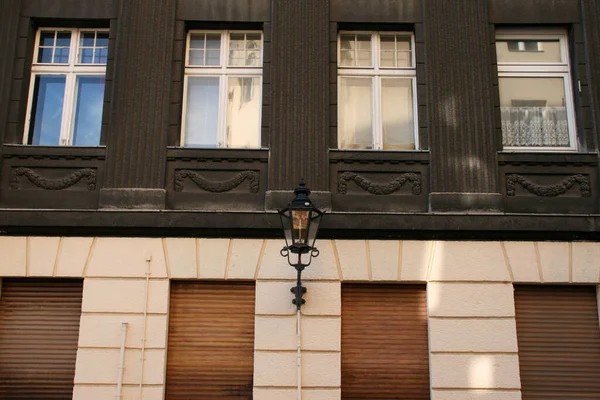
{"points": [[300, 222]]}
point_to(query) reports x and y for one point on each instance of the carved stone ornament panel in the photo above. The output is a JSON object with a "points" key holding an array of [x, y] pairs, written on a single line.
{"points": [[214, 186], [18, 175], [548, 190], [380, 188]]}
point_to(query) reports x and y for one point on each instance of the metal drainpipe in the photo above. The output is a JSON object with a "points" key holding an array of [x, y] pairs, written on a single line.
{"points": [[118, 395], [143, 351]]}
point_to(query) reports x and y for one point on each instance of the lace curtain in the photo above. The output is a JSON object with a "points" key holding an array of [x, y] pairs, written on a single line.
{"points": [[535, 127]]}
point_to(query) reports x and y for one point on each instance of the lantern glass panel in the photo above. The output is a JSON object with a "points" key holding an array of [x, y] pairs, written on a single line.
{"points": [[314, 227], [286, 223], [300, 225]]}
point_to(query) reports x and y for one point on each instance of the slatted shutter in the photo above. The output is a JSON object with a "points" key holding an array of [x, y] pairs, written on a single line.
{"points": [[39, 330], [559, 342], [384, 342], [211, 341]]}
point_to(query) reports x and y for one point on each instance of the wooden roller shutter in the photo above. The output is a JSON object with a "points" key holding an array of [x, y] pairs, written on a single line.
{"points": [[384, 342], [39, 330], [211, 341], [559, 342]]}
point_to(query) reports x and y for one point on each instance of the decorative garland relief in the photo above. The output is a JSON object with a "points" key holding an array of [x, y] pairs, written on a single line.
{"points": [[216, 186], [379, 188]]}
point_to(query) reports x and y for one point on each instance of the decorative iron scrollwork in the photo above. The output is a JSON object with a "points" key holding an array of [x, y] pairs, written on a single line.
{"points": [[379, 188], [53, 184], [548, 190], [215, 186]]}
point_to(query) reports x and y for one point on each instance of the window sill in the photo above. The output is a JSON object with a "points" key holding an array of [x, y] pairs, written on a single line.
{"points": [[20, 150]]}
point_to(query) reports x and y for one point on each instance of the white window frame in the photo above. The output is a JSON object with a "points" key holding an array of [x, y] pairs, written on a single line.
{"points": [[378, 72], [544, 70], [223, 72], [71, 71]]}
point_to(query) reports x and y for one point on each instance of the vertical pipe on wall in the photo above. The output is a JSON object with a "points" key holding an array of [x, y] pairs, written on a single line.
{"points": [[121, 360], [143, 350], [299, 355]]}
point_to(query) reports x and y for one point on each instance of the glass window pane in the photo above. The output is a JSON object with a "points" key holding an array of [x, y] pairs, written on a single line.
{"points": [[45, 55], [102, 39], [403, 43], [237, 50], [61, 55], [87, 56], [253, 41], [196, 57], [364, 58], [47, 109], [404, 59], [243, 112], [346, 58], [533, 112], [213, 41], [47, 38], [355, 118], [397, 114], [347, 42], [87, 39], [101, 56], [63, 39], [202, 110], [197, 41], [388, 42], [528, 51], [388, 59], [253, 59], [363, 42], [89, 99], [213, 57]]}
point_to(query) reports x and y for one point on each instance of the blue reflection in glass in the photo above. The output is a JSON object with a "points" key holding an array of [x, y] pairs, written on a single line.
{"points": [[202, 110], [48, 99], [88, 110]]}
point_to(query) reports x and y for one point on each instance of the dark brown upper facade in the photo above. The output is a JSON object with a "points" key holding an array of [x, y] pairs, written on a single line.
{"points": [[460, 180]]}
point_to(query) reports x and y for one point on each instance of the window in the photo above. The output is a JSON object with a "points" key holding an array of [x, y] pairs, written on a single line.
{"points": [[376, 91], [222, 89], [67, 87], [536, 101]]}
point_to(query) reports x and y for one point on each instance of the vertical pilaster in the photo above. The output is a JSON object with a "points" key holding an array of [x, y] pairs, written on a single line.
{"points": [[590, 14], [9, 20], [139, 114], [459, 91], [300, 91]]}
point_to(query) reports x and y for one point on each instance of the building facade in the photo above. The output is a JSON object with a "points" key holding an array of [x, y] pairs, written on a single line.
{"points": [[147, 145]]}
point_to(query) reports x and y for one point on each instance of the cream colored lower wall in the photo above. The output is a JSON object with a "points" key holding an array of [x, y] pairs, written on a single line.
{"points": [[472, 330]]}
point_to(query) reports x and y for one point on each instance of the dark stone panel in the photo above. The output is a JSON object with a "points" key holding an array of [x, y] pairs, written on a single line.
{"points": [[460, 202], [133, 198], [51, 177], [379, 181], [224, 179], [533, 11], [460, 97], [70, 9], [9, 20], [591, 33], [376, 10], [223, 10], [299, 94], [549, 183], [139, 113]]}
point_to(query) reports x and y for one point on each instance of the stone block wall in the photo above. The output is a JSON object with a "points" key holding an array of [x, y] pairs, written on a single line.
{"points": [[472, 330]]}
